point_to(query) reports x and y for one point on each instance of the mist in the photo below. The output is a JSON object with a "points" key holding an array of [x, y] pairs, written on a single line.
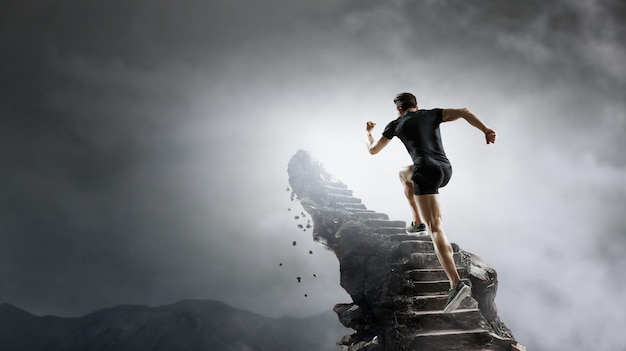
{"points": [[145, 147]]}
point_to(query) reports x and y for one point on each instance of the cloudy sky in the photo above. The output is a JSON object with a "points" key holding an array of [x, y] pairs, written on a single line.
{"points": [[144, 147]]}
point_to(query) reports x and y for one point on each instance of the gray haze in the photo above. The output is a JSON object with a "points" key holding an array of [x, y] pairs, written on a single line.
{"points": [[144, 147]]}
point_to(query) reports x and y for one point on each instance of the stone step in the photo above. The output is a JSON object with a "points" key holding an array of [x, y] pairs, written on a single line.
{"points": [[429, 287], [371, 215], [391, 231], [411, 246], [468, 318], [378, 223], [336, 199], [434, 302], [401, 235], [360, 210], [335, 184], [418, 243], [422, 261], [351, 206], [426, 260], [432, 274], [337, 191], [454, 339]]}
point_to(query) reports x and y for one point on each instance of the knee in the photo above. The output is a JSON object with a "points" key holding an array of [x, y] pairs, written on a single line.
{"points": [[438, 236], [405, 174], [436, 226]]}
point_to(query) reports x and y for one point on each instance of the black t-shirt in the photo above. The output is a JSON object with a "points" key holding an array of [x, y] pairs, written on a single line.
{"points": [[419, 132]]}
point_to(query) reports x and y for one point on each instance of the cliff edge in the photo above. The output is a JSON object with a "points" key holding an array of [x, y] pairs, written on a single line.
{"points": [[397, 285]]}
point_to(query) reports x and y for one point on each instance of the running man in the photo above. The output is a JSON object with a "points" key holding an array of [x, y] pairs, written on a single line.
{"points": [[419, 132]]}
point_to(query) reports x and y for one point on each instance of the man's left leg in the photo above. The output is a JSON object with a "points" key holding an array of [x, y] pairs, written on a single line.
{"points": [[417, 226]]}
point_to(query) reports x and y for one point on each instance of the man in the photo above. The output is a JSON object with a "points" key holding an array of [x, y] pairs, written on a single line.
{"points": [[419, 132]]}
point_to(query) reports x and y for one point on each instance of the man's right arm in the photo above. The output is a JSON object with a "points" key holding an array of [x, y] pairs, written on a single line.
{"points": [[373, 147], [452, 114]]}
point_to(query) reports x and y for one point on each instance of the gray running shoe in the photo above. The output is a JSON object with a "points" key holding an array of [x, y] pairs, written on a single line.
{"points": [[416, 229], [456, 295]]}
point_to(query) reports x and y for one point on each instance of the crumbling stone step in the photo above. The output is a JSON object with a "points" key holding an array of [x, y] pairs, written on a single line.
{"points": [[427, 260], [337, 191], [419, 244], [379, 223], [455, 340], [391, 231], [360, 210], [432, 274], [371, 215], [437, 320], [343, 199], [403, 236], [351, 206], [430, 287], [411, 246], [334, 184], [435, 302]]}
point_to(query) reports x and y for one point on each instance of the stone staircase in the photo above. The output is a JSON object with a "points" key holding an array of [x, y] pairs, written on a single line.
{"points": [[396, 282], [420, 322]]}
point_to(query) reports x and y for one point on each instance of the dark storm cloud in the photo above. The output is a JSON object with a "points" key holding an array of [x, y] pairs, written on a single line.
{"points": [[556, 45], [94, 200]]}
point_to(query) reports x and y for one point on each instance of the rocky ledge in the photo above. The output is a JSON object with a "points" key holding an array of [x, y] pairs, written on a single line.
{"points": [[397, 285]]}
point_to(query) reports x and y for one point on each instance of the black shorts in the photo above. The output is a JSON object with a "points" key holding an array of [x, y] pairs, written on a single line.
{"points": [[427, 179]]}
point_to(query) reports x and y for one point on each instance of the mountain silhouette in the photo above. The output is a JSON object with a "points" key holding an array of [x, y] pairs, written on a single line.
{"points": [[190, 325]]}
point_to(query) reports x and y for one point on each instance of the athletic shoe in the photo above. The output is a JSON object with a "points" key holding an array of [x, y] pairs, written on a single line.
{"points": [[416, 229], [456, 295]]}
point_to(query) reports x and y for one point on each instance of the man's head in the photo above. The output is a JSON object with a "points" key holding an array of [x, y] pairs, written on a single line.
{"points": [[405, 101]]}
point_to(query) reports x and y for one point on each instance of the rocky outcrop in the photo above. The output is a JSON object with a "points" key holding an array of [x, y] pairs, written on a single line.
{"points": [[397, 285]]}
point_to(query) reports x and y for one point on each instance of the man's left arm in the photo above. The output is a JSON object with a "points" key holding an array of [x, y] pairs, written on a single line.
{"points": [[452, 114]]}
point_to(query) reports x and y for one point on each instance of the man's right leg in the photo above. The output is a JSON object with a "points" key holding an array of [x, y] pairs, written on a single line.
{"points": [[432, 214], [431, 209], [405, 178]]}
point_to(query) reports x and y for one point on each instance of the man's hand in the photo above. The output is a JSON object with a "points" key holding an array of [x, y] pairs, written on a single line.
{"points": [[369, 126], [490, 136]]}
